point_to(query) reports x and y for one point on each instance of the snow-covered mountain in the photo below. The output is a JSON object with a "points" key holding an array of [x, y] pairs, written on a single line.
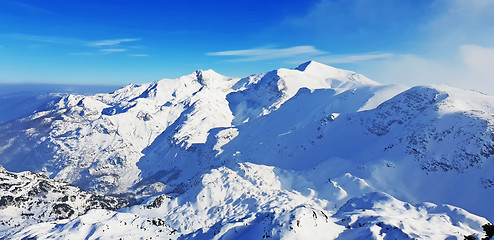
{"points": [[284, 154]]}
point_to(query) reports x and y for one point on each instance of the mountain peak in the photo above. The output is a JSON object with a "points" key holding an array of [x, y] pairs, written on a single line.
{"points": [[326, 72], [206, 74], [310, 64], [211, 78]]}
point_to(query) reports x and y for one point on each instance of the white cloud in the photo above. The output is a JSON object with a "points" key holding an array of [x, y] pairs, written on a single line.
{"points": [[451, 41], [83, 54], [257, 54], [113, 50], [111, 42], [478, 58], [69, 41], [138, 55], [339, 59], [469, 67], [478, 64], [104, 52], [457, 49], [298, 54], [409, 69], [461, 22], [106, 46]]}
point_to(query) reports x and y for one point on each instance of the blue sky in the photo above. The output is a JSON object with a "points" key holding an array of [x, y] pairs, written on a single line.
{"points": [[118, 42]]}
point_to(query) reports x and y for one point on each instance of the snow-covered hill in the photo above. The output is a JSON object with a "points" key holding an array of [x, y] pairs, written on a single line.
{"points": [[313, 146]]}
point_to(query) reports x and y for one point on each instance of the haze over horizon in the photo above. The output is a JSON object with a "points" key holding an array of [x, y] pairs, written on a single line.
{"points": [[120, 42]]}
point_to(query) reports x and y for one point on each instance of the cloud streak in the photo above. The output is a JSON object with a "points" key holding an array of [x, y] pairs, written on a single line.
{"points": [[30, 8], [138, 55], [84, 54], [340, 59], [106, 46], [45, 39], [112, 42], [113, 50], [109, 51], [258, 54], [69, 41], [297, 54]]}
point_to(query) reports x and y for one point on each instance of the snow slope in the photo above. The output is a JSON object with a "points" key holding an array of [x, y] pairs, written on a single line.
{"points": [[250, 201], [95, 141], [248, 157]]}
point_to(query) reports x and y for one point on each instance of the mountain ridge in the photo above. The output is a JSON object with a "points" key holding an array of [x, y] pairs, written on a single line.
{"points": [[318, 133]]}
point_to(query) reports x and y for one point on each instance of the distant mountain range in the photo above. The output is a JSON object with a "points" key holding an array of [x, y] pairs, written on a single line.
{"points": [[313, 152]]}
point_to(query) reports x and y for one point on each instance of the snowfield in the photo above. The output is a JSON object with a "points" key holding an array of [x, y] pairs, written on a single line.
{"points": [[313, 152], [250, 202]]}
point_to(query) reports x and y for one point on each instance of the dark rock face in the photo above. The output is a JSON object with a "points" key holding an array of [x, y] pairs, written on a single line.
{"points": [[427, 122], [158, 201], [62, 210], [38, 198], [6, 201]]}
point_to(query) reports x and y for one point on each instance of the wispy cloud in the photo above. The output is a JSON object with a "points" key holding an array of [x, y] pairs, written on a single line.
{"points": [[298, 54], [30, 8], [105, 46], [138, 55], [111, 42], [108, 51], [45, 39], [347, 22], [441, 41], [137, 47], [69, 41], [339, 59], [456, 48], [113, 50], [84, 54], [460, 23], [470, 67], [257, 54], [478, 59]]}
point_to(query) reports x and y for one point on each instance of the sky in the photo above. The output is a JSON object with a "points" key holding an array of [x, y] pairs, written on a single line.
{"points": [[117, 42]]}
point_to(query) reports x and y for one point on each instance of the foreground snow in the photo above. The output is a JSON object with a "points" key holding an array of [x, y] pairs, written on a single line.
{"points": [[27, 198], [249, 201]]}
